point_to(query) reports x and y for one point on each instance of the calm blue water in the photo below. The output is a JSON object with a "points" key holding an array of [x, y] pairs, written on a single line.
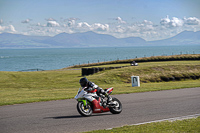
{"points": [[49, 59]]}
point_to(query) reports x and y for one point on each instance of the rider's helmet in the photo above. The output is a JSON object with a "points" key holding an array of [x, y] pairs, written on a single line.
{"points": [[83, 82]]}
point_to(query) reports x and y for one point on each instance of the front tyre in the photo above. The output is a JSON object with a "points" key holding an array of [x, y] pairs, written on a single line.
{"points": [[117, 108], [83, 110]]}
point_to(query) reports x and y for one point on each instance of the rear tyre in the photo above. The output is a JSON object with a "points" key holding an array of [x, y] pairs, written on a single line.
{"points": [[83, 110], [117, 108]]}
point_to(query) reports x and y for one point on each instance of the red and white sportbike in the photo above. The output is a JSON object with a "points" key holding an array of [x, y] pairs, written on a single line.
{"points": [[98, 104]]}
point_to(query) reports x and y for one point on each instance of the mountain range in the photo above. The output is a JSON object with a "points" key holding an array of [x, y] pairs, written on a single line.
{"points": [[92, 39]]}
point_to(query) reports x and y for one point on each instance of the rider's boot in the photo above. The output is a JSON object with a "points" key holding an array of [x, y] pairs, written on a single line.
{"points": [[109, 98]]}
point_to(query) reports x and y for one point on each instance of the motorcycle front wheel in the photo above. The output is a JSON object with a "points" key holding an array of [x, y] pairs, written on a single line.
{"points": [[117, 108], [83, 110]]}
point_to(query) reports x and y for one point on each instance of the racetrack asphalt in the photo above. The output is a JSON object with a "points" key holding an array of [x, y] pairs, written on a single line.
{"points": [[62, 117]]}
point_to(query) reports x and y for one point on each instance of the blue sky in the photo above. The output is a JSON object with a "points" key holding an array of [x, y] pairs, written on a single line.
{"points": [[148, 19]]}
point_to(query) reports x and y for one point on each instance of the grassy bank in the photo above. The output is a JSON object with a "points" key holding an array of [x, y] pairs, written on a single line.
{"points": [[153, 72], [145, 59], [24, 87], [184, 126]]}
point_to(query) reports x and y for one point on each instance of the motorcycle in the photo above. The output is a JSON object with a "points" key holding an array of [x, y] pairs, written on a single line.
{"points": [[98, 105]]}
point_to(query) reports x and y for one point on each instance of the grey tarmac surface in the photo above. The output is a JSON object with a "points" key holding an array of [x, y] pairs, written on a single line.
{"points": [[62, 117]]}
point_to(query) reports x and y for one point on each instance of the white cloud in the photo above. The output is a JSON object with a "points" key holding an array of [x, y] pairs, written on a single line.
{"points": [[119, 29], [38, 24], [150, 31], [120, 21], [9, 28], [165, 21], [174, 22], [146, 29], [147, 22], [83, 25], [26, 21], [71, 23], [2, 28], [50, 19], [177, 22], [191, 21], [100, 27], [43, 31], [1, 21], [52, 24]]}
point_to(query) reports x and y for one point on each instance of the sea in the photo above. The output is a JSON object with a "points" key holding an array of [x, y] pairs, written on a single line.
{"points": [[58, 58]]}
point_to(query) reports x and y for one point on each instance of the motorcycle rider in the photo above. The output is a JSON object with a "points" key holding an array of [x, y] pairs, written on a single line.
{"points": [[91, 87]]}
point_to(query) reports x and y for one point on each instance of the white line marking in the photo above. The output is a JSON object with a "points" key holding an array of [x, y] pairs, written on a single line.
{"points": [[169, 119]]}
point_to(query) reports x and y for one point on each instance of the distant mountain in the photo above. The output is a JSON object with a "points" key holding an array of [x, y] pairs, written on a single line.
{"points": [[65, 40], [91, 39], [8, 40], [87, 39], [134, 40], [183, 38]]}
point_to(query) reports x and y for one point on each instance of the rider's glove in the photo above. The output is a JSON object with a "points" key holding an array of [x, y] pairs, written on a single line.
{"points": [[89, 89]]}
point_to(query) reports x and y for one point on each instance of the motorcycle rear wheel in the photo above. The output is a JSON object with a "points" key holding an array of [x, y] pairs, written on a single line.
{"points": [[83, 110], [117, 108]]}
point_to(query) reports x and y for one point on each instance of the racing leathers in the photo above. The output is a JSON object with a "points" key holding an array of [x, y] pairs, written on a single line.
{"points": [[92, 89]]}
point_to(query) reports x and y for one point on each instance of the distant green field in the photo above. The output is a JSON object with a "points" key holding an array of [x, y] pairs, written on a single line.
{"points": [[144, 59], [24, 87]]}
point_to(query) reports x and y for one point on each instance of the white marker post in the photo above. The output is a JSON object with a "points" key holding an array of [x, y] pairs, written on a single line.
{"points": [[135, 80]]}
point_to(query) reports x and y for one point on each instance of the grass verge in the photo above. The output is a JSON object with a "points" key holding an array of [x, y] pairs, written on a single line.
{"points": [[184, 126], [39, 91], [26, 87]]}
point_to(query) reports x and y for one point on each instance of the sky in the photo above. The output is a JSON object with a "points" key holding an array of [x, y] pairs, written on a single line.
{"points": [[148, 19]]}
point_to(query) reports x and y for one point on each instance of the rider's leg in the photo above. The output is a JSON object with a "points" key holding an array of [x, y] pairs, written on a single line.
{"points": [[89, 97], [100, 90]]}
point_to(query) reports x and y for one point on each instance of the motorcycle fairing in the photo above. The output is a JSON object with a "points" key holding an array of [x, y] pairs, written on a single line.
{"points": [[85, 101], [109, 90], [97, 108]]}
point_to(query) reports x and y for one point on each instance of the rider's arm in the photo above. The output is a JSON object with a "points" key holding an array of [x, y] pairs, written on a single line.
{"points": [[92, 86]]}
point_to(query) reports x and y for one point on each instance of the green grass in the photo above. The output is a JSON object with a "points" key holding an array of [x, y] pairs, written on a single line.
{"points": [[152, 72], [25, 87], [22, 87], [145, 59], [184, 126]]}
